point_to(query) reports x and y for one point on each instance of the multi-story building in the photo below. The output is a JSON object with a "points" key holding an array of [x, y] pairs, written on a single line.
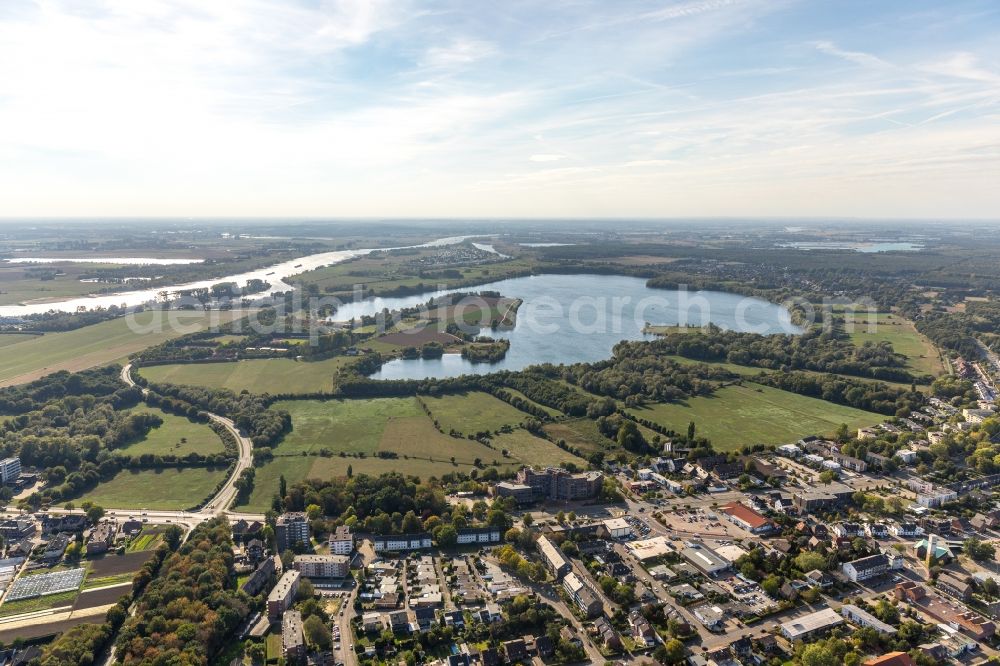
{"points": [[323, 566], [10, 469], [342, 541], [397, 543], [479, 535], [291, 529], [954, 586], [522, 494], [847, 462], [281, 597], [553, 557], [863, 618], [257, 581], [555, 483], [293, 645], [866, 567], [584, 597]]}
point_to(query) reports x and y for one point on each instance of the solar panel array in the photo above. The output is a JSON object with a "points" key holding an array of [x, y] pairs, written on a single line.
{"points": [[40, 585]]}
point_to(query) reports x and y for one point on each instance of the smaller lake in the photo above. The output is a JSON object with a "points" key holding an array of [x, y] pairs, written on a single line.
{"points": [[580, 318], [865, 247], [117, 261]]}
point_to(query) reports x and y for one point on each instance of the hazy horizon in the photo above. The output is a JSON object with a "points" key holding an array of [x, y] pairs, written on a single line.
{"points": [[362, 109]]}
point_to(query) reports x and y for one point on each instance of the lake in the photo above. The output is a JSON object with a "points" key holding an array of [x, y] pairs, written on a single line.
{"points": [[579, 318]]}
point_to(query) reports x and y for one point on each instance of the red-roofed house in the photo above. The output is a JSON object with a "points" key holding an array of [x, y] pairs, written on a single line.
{"points": [[747, 518], [891, 659]]}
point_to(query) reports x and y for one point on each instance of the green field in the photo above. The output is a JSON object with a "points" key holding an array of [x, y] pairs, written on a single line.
{"points": [[754, 414], [100, 344], [469, 413], [921, 355], [269, 375], [13, 338], [148, 539], [58, 600], [353, 426], [396, 425], [178, 436], [522, 446], [171, 489], [582, 434]]}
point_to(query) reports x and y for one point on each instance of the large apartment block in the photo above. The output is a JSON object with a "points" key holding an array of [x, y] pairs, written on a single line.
{"points": [[281, 597], [290, 529], [342, 541], [555, 483], [323, 566], [10, 469]]}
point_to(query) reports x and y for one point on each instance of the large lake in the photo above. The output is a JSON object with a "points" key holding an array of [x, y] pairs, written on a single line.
{"points": [[579, 318]]}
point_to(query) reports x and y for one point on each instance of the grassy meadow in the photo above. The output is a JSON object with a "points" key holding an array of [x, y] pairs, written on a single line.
{"points": [[100, 344], [472, 412], [267, 375], [170, 489], [177, 435], [755, 414], [921, 355]]}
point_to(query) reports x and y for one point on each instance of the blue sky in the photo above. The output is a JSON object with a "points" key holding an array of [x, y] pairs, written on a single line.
{"points": [[500, 109]]}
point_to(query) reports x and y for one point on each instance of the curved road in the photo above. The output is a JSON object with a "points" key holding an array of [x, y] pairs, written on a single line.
{"points": [[222, 499]]}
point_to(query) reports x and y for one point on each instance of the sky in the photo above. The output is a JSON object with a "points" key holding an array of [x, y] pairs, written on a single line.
{"points": [[470, 108]]}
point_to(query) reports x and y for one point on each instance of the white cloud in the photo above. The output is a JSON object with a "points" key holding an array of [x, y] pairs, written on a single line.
{"points": [[546, 157]]}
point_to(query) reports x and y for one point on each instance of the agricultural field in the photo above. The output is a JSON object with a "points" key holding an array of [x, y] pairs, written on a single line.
{"points": [[13, 338], [23, 283], [755, 414], [148, 539], [922, 356], [528, 449], [100, 344], [360, 429], [416, 438], [469, 413], [115, 570], [48, 602], [170, 488], [267, 375], [351, 426], [177, 435], [382, 273]]}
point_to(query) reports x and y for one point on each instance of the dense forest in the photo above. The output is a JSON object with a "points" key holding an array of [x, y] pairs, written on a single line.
{"points": [[191, 608]]}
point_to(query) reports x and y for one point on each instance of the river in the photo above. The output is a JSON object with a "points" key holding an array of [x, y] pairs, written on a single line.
{"points": [[273, 275]]}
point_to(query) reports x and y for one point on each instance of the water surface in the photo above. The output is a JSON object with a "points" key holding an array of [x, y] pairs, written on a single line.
{"points": [[579, 318]]}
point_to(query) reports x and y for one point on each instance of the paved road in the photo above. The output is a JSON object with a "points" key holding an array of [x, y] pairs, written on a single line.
{"points": [[217, 505], [222, 499]]}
